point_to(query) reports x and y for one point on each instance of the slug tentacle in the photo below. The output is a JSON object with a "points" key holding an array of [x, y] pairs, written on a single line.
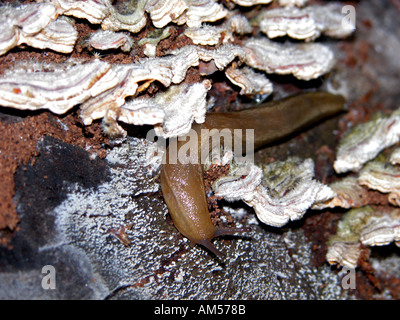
{"points": [[183, 185], [206, 243], [226, 231]]}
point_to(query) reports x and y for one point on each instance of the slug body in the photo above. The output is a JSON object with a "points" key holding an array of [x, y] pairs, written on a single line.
{"points": [[182, 183]]}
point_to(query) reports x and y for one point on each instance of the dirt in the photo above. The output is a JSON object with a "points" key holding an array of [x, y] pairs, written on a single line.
{"points": [[18, 147]]}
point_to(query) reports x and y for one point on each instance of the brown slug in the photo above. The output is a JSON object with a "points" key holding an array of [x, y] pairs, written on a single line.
{"points": [[182, 184]]}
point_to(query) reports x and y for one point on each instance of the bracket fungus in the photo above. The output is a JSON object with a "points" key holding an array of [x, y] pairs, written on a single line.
{"points": [[279, 192], [307, 23], [36, 25], [362, 226], [250, 82], [291, 3], [212, 35], [381, 176], [348, 194], [361, 150], [304, 61], [106, 40], [249, 3], [39, 89], [363, 142]]}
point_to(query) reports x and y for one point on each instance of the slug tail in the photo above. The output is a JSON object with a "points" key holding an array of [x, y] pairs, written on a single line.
{"points": [[208, 245]]}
